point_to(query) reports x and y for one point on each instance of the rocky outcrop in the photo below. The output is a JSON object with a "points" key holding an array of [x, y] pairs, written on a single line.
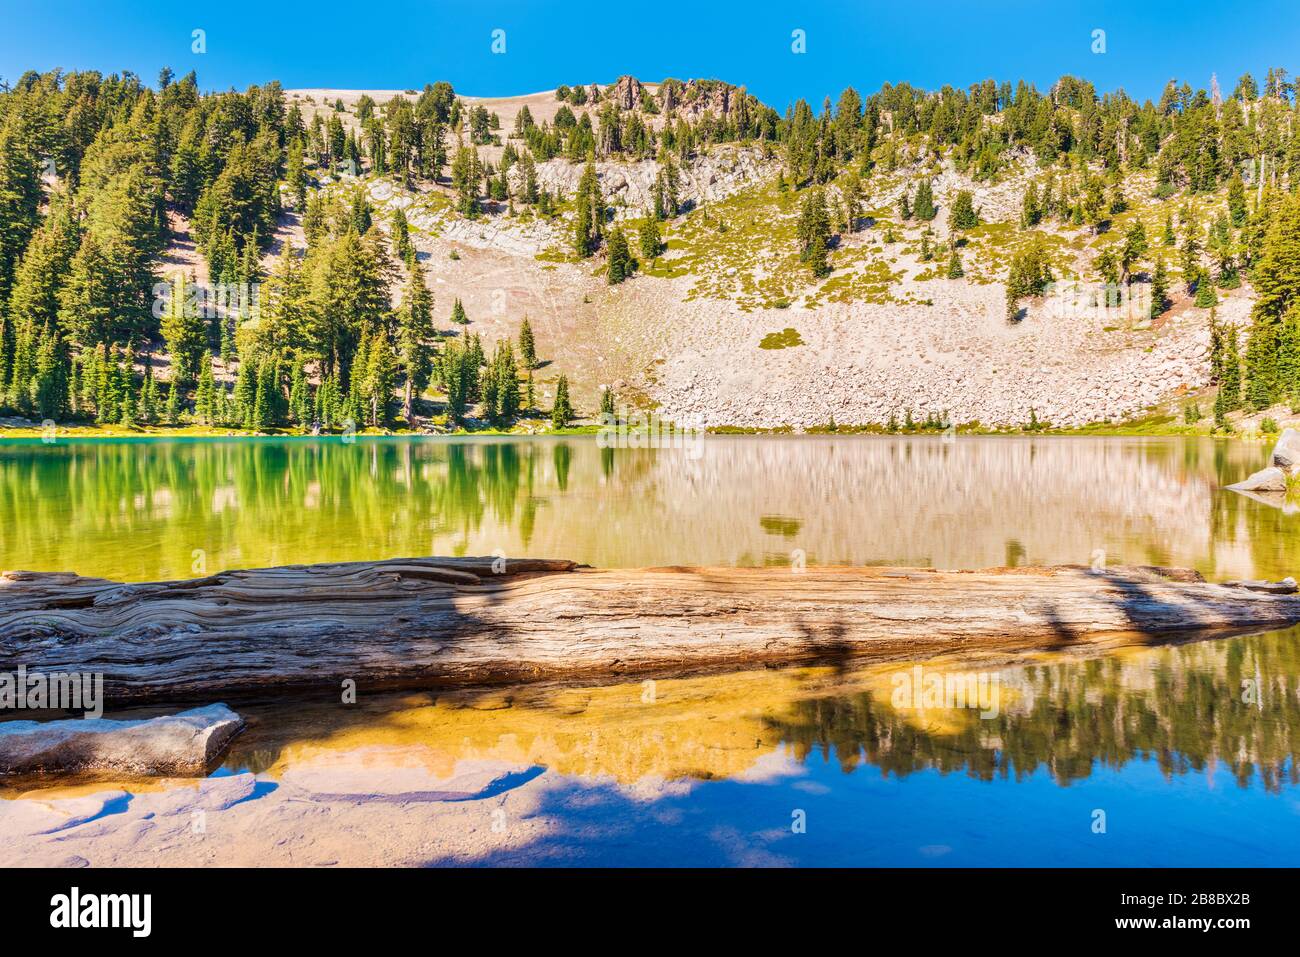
{"points": [[626, 93], [181, 744], [698, 97], [628, 187]]}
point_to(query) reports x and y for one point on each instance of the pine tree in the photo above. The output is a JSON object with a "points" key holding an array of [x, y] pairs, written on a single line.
{"points": [[205, 396], [963, 214], [149, 400], [1205, 295], [1159, 290], [172, 414], [651, 241], [813, 232], [620, 264], [1029, 275], [1277, 285], [1230, 385], [905, 205], [401, 235], [1237, 201], [923, 207], [182, 329], [954, 266], [458, 313], [246, 393], [300, 402], [561, 411], [379, 378], [1030, 211], [527, 347], [50, 384]]}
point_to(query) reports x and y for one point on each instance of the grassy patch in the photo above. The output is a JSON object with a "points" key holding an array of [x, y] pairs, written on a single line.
{"points": [[784, 339]]}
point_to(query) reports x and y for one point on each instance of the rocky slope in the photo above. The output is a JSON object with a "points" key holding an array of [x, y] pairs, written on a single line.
{"points": [[885, 333]]}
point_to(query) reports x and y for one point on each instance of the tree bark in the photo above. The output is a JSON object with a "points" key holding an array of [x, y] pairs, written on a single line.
{"points": [[438, 622]]}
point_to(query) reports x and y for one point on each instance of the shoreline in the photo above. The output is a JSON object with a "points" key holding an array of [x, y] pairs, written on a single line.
{"points": [[190, 433]]}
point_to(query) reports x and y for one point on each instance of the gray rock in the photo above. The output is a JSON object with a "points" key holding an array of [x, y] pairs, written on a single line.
{"points": [[1286, 454], [1286, 586], [181, 744], [1271, 479]]}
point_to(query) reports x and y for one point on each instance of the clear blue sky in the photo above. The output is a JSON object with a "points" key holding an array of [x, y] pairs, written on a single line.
{"points": [[393, 44]]}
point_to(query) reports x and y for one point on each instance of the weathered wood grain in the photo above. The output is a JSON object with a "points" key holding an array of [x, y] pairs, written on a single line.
{"points": [[442, 622]]}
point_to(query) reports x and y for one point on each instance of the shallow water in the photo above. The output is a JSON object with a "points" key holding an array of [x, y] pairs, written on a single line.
{"points": [[1133, 755]]}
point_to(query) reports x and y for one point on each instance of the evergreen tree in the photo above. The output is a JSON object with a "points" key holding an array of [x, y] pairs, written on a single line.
{"points": [[905, 205], [149, 400], [527, 346], [1029, 275], [401, 235], [1237, 201], [1277, 285], [172, 413], [1230, 383], [954, 266], [414, 333], [300, 401], [561, 411], [205, 397], [651, 241], [246, 393], [923, 207], [458, 313], [620, 264], [1159, 290], [182, 329], [813, 232], [963, 214]]}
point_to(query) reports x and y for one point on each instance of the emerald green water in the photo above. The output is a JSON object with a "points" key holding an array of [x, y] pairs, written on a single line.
{"points": [[149, 509]]}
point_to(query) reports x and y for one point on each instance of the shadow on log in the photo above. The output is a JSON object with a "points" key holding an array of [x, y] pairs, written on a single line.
{"points": [[444, 622]]}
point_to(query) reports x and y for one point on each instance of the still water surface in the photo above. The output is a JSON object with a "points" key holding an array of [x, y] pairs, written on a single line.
{"points": [[1188, 750]]}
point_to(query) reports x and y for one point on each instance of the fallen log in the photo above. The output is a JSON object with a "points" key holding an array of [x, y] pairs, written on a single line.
{"points": [[440, 622]]}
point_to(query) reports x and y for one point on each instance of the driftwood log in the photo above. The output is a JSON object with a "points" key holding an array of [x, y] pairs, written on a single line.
{"points": [[436, 622]]}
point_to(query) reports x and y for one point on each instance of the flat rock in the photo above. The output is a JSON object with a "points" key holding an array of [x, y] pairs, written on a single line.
{"points": [[401, 775], [1286, 586], [181, 744], [1271, 479], [36, 817], [210, 794]]}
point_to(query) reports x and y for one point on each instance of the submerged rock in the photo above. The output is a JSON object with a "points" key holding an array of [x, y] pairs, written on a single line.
{"points": [[181, 744]]}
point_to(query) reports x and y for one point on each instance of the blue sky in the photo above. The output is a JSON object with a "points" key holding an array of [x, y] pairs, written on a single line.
{"points": [[395, 44]]}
